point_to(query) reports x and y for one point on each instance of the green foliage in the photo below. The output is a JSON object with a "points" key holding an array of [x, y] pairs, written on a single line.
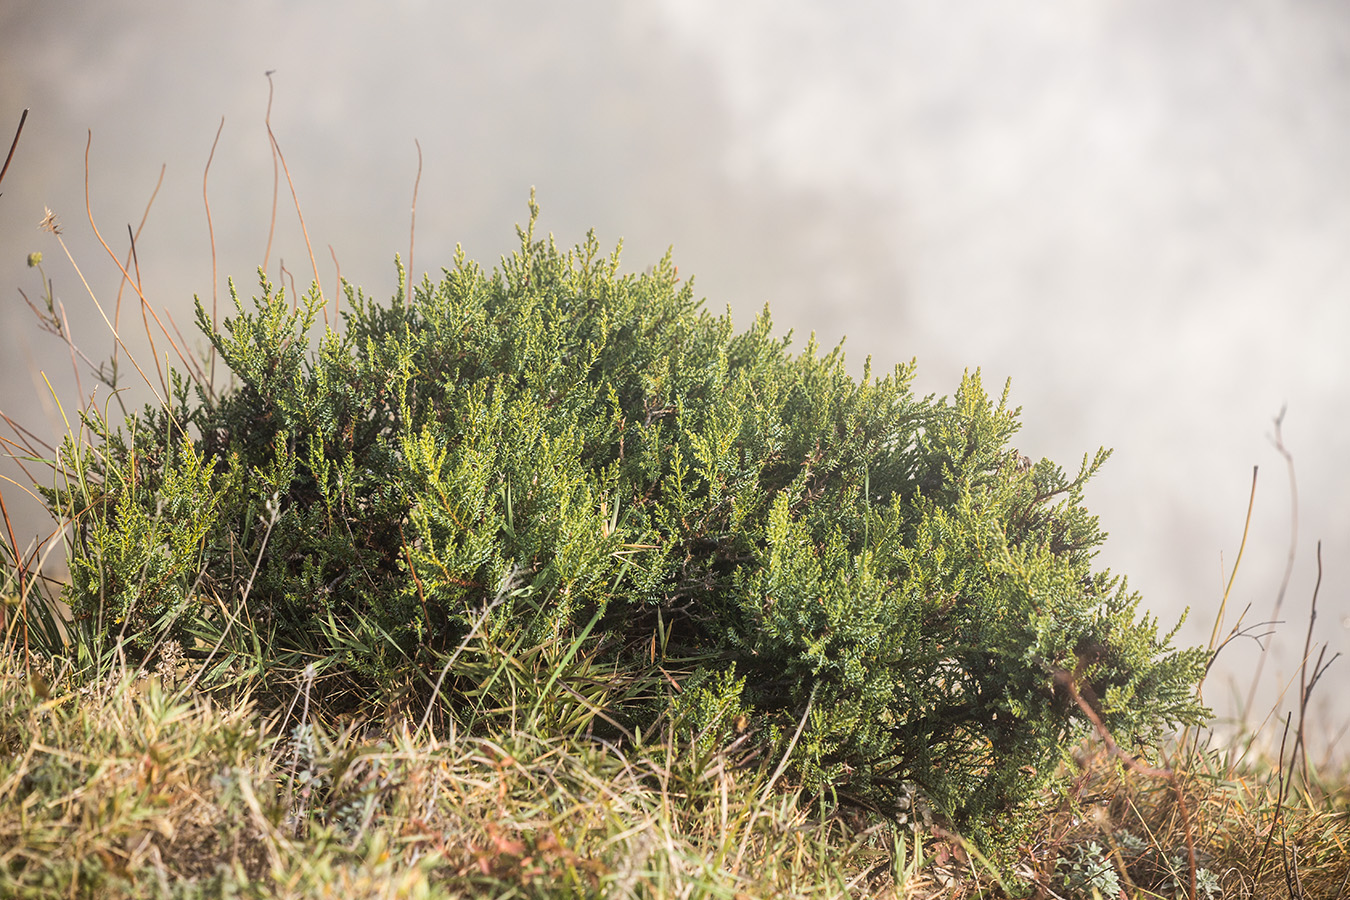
{"points": [[554, 454], [711, 708], [1089, 873]]}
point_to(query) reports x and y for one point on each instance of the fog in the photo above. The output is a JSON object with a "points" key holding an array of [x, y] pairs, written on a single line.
{"points": [[1137, 211]]}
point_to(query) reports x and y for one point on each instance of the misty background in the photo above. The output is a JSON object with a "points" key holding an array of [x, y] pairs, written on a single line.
{"points": [[1137, 211]]}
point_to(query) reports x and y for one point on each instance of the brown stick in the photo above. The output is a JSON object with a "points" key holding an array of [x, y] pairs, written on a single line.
{"points": [[1066, 679], [13, 144]]}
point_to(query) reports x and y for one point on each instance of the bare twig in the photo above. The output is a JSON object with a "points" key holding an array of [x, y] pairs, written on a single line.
{"points": [[1293, 513], [55, 322], [1307, 682], [1242, 631], [1278, 440], [117, 314], [50, 224], [145, 322], [13, 144], [412, 230], [412, 570], [211, 232], [287, 274], [89, 211], [294, 198], [1069, 682], [276, 174], [1283, 787], [337, 295]]}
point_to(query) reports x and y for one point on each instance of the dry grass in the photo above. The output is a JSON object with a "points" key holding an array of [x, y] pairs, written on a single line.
{"points": [[139, 788], [136, 789]]}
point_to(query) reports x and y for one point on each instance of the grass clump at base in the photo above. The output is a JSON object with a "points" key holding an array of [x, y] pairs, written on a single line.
{"points": [[137, 786], [138, 789]]}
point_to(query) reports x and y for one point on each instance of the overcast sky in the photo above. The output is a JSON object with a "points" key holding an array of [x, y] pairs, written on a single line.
{"points": [[1138, 211]]}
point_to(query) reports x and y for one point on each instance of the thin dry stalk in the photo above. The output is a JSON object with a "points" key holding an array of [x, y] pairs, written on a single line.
{"points": [[89, 211], [70, 342], [276, 173], [1232, 577], [30, 447], [337, 268], [272, 519], [23, 117], [145, 322], [131, 253], [19, 576], [276, 147], [1307, 683], [198, 372], [50, 224], [412, 230], [1281, 793], [503, 591], [1278, 440], [211, 232]]}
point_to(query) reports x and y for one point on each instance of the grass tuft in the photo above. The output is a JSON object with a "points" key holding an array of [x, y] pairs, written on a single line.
{"points": [[136, 785]]}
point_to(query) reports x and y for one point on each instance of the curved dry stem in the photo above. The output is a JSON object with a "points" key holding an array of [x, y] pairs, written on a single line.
{"points": [[211, 232], [65, 333], [412, 230], [89, 211], [276, 150], [131, 253], [145, 322], [1278, 440], [792, 745], [1232, 576], [1306, 683], [337, 295], [23, 117], [276, 175]]}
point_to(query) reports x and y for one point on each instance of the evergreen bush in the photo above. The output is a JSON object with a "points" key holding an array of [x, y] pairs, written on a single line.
{"points": [[875, 582]]}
